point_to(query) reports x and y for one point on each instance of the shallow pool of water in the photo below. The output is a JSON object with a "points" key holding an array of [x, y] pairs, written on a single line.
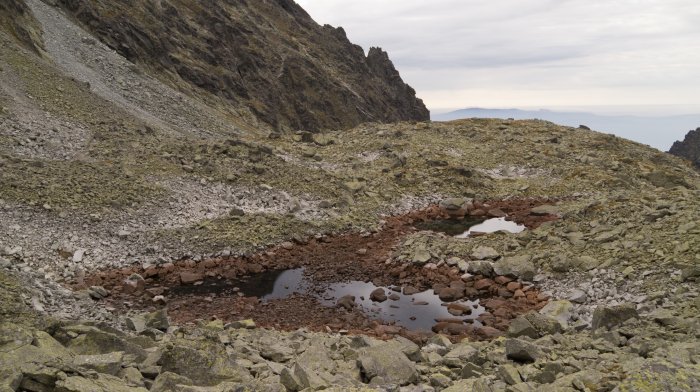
{"points": [[492, 226], [267, 285], [418, 311]]}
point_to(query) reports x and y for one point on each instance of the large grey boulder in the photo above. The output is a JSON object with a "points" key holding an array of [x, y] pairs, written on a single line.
{"points": [[386, 364], [110, 363], [613, 316], [484, 253], [156, 320], [206, 365], [516, 266], [523, 351]]}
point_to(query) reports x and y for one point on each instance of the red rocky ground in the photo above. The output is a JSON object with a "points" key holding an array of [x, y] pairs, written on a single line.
{"points": [[349, 257]]}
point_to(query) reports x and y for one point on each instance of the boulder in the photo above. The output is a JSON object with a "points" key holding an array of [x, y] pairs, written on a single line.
{"points": [[509, 374], [522, 351], [89, 340], [520, 326], [560, 311], [98, 383], [613, 316], [378, 295], [167, 382], [484, 253], [519, 267], [480, 267], [385, 364], [110, 363], [156, 320], [207, 365]]}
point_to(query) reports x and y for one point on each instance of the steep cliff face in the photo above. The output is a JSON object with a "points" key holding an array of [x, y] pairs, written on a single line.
{"points": [[267, 55], [689, 148]]}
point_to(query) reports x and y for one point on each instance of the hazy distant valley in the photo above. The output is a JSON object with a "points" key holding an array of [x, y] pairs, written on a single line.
{"points": [[657, 131]]}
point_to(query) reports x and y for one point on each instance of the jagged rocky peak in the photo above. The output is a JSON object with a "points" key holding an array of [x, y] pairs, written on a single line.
{"points": [[268, 56], [689, 148]]}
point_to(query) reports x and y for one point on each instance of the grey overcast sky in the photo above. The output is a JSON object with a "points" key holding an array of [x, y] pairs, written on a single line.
{"points": [[534, 53]]}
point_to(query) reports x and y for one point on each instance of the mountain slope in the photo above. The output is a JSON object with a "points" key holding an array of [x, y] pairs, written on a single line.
{"points": [[269, 56], [689, 148], [108, 171]]}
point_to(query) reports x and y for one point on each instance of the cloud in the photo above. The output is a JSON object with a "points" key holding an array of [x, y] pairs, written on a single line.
{"points": [[575, 51]]}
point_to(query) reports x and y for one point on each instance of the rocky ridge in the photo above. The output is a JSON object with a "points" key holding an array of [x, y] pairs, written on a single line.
{"points": [[94, 176], [689, 148], [266, 56]]}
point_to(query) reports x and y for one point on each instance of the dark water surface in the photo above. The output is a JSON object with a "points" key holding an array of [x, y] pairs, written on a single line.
{"points": [[413, 312], [462, 228]]}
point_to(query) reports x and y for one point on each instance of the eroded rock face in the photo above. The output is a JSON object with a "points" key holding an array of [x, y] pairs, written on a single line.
{"points": [[689, 148], [269, 56], [16, 18]]}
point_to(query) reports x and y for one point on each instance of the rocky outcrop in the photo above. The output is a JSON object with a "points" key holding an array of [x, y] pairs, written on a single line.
{"points": [[689, 148], [268, 56], [17, 19]]}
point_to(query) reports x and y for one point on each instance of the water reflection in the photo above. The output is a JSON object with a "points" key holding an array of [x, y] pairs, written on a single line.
{"points": [[492, 226]]}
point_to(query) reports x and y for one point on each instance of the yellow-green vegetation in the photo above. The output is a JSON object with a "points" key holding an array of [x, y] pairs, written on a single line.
{"points": [[72, 184], [12, 305]]}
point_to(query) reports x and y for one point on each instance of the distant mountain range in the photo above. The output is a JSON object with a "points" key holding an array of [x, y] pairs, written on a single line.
{"points": [[657, 131]]}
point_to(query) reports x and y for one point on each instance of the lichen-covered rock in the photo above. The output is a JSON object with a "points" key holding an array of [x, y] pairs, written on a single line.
{"points": [[208, 365], [384, 365], [523, 351], [101, 383], [613, 316], [110, 363], [89, 340], [516, 266]]}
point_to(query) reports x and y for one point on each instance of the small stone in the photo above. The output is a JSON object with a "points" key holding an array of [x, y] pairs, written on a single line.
{"points": [[578, 296], [421, 256], [242, 324], [287, 245], [449, 294], [78, 255], [410, 290], [98, 292], [484, 253], [545, 210], [347, 302], [190, 277], [459, 309]]}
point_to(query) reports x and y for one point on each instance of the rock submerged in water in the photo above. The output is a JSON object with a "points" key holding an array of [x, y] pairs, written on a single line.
{"points": [[378, 295]]}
